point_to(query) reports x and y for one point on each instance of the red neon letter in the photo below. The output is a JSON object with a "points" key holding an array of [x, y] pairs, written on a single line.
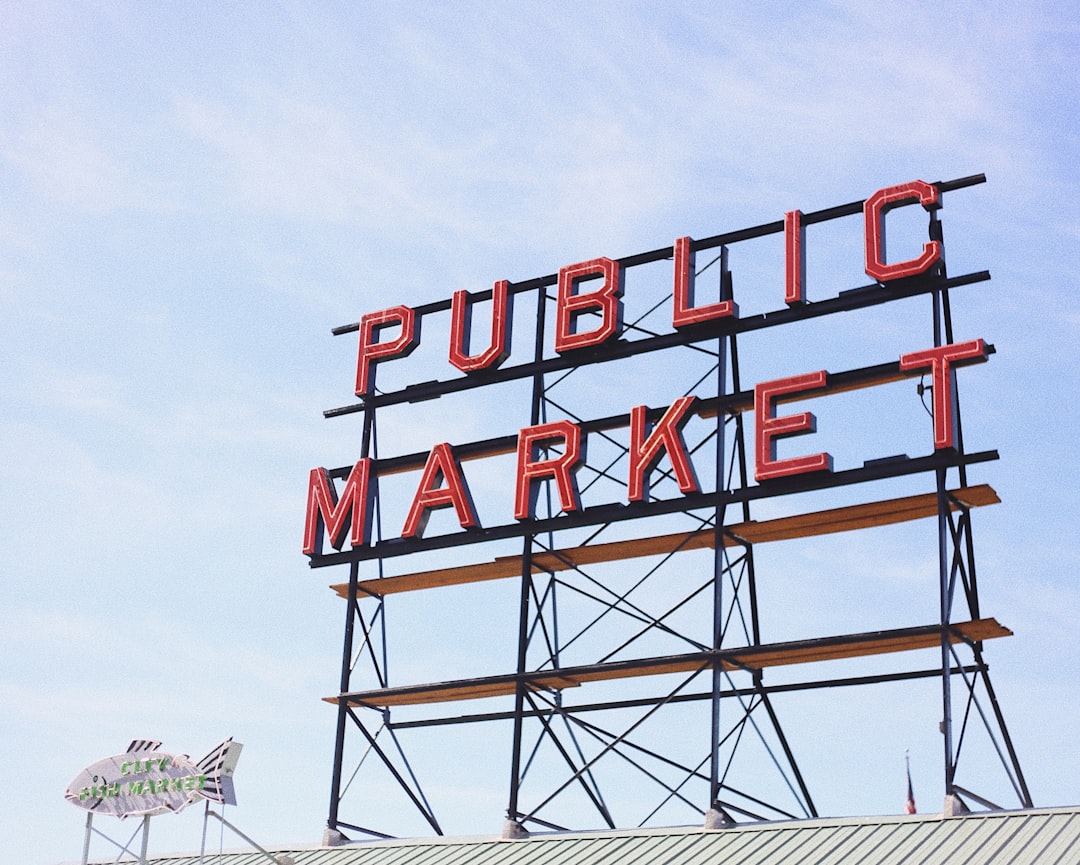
{"points": [[685, 313], [794, 258], [940, 361], [874, 210], [571, 306], [460, 324], [768, 428], [371, 350], [441, 465], [326, 511], [645, 452], [561, 468]]}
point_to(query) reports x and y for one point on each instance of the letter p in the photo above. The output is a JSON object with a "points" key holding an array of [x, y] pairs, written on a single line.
{"points": [[371, 349]]}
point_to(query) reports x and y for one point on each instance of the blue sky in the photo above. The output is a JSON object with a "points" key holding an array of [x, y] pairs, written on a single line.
{"points": [[192, 196]]}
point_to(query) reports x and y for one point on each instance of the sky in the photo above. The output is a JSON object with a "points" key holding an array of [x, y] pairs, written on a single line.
{"points": [[193, 195]]}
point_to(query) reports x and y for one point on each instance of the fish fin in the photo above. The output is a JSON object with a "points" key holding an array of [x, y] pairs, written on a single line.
{"points": [[142, 745]]}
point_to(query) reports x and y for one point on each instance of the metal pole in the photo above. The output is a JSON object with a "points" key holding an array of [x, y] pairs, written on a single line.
{"points": [[718, 600], [943, 586], [86, 838], [145, 839], [347, 647], [265, 853], [342, 713], [512, 809], [718, 551]]}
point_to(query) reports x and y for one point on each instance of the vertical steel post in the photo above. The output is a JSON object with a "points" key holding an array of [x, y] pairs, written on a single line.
{"points": [[718, 551], [945, 618], [145, 839], [343, 712], [512, 809], [944, 559], [86, 837], [347, 650]]}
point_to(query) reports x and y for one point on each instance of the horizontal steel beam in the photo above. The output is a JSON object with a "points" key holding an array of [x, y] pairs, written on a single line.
{"points": [[749, 658]]}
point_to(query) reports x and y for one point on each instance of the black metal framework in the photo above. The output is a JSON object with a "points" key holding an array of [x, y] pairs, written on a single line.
{"points": [[637, 620]]}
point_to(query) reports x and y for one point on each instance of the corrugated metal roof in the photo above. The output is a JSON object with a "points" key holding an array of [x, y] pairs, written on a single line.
{"points": [[1045, 837]]}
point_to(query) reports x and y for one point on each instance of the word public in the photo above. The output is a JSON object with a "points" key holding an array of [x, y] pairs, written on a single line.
{"points": [[347, 515], [572, 304]]}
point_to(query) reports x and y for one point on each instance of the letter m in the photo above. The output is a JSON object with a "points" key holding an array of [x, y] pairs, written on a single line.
{"points": [[336, 515]]}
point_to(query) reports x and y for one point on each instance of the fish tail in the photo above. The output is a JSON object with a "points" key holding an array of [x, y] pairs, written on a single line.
{"points": [[218, 767]]}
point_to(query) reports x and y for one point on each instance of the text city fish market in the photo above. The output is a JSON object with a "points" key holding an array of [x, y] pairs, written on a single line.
{"points": [[442, 483], [146, 787]]}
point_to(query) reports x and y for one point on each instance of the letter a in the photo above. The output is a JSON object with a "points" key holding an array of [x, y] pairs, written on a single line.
{"points": [[441, 465]]}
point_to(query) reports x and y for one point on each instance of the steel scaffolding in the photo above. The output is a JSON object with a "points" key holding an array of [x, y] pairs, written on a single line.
{"points": [[639, 677]]}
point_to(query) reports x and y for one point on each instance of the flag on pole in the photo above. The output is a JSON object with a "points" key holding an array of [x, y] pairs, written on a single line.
{"points": [[909, 805]]}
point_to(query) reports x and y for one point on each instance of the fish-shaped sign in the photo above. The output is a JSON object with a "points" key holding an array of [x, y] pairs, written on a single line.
{"points": [[145, 780]]}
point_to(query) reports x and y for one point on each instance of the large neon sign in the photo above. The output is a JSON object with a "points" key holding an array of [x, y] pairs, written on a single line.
{"points": [[657, 405], [590, 321]]}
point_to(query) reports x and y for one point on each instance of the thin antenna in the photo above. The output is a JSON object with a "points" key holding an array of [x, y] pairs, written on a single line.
{"points": [[909, 805]]}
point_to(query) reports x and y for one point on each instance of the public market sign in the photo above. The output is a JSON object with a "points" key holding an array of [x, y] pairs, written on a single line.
{"points": [[145, 780], [588, 325]]}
